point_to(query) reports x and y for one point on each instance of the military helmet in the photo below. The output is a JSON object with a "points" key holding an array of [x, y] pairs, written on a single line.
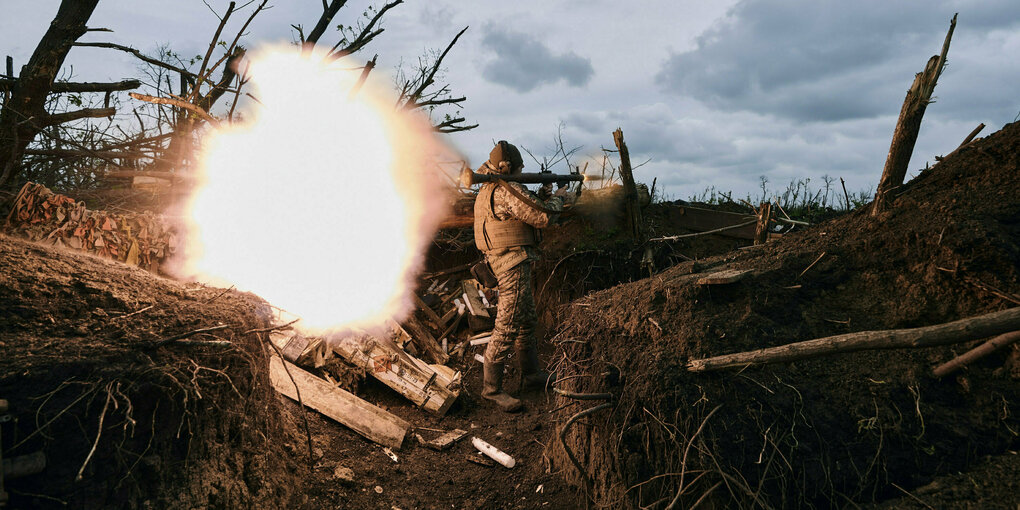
{"points": [[505, 158]]}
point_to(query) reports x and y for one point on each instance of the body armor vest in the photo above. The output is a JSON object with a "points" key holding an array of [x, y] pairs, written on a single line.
{"points": [[491, 233]]}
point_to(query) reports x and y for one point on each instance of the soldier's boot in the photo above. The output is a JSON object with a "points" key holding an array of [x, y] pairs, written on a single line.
{"points": [[492, 388], [532, 376]]}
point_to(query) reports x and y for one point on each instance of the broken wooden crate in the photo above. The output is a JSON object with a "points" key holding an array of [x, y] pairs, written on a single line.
{"points": [[431, 387]]}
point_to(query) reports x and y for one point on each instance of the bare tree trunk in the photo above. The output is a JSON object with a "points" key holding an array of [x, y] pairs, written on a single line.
{"points": [[908, 126], [633, 208], [761, 231], [24, 114]]}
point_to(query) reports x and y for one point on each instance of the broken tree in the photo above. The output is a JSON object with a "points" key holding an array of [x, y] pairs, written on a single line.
{"points": [[908, 125], [633, 208]]}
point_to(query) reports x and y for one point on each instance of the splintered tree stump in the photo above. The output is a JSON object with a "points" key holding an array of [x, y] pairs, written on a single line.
{"points": [[909, 125], [761, 231], [633, 209]]}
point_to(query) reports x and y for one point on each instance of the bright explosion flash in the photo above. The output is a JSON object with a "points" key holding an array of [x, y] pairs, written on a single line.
{"points": [[321, 204]]}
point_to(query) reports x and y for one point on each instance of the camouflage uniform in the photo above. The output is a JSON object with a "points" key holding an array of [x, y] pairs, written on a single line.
{"points": [[507, 219], [515, 312]]}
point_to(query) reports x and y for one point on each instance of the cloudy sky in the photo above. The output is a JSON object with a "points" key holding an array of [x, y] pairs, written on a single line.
{"points": [[710, 93]]}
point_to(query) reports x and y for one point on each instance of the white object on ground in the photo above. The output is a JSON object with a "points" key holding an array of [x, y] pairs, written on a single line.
{"points": [[493, 453], [479, 358], [481, 341]]}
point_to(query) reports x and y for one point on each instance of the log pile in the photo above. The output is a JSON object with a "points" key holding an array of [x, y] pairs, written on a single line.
{"points": [[145, 240]]}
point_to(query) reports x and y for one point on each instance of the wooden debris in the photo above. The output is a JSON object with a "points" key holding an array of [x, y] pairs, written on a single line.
{"points": [[473, 300], [431, 314], [362, 417], [976, 353], [425, 341], [740, 226], [963, 330], [431, 387], [479, 459], [444, 441], [724, 277]]}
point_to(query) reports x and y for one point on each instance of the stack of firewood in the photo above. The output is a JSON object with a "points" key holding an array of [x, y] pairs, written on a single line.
{"points": [[139, 239]]}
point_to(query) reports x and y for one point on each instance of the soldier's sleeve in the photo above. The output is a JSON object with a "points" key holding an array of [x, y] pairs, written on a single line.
{"points": [[526, 211]]}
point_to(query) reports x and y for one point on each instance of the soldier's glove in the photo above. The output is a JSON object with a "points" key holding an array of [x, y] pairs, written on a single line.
{"points": [[545, 191]]}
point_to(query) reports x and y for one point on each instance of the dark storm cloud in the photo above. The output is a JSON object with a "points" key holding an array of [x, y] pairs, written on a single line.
{"points": [[523, 63], [815, 60]]}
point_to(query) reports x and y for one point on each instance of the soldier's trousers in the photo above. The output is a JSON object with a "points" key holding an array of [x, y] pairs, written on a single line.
{"points": [[515, 314]]}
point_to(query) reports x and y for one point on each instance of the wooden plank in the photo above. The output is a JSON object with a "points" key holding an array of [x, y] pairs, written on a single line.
{"points": [[430, 389], [425, 341], [724, 277], [428, 311], [474, 303], [703, 220], [362, 417]]}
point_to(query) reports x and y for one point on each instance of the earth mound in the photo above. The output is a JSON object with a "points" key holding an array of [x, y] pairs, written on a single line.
{"points": [[127, 416], [833, 431]]}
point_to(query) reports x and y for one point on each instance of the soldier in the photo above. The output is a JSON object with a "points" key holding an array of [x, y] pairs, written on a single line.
{"points": [[507, 222]]}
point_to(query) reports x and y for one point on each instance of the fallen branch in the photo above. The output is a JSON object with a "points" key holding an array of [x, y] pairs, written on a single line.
{"points": [[177, 102], [962, 330], [271, 328], [715, 231], [811, 265], [132, 314], [963, 144], [182, 336], [976, 353]]}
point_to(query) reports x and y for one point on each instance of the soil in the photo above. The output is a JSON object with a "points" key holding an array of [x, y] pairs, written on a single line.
{"points": [[834, 431], [174, 425], [123, 421]]}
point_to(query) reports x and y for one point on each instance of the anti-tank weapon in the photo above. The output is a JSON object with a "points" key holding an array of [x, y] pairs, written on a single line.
{"points": [[469, 178]]}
